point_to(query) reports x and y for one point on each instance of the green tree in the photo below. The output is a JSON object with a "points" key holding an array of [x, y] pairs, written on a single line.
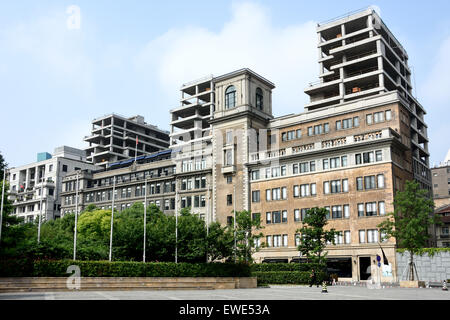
{"points": [[410, 221], [220, 242], [246, 234], [3, 166], [313, 236]]}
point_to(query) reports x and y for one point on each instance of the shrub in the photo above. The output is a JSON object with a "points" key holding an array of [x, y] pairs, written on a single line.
{"points": [[286, 277], [58, 268], [265, 267]]}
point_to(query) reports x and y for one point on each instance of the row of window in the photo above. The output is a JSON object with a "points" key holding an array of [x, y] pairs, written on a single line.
{"points": [[342, 237], [197, 201], [310, 166], [329, 187], [196, 183], [230, 98], [368, 209], [190, 165], [343, 124]]}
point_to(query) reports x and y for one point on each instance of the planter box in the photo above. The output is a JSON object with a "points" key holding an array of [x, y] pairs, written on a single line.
{"points": [[412, 284]]}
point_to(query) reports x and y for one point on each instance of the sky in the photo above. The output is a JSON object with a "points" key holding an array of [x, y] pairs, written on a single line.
{"points": [[65, 63]]}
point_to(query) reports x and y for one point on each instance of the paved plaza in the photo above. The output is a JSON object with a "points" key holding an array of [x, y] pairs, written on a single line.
{"points": [[272, 293]]}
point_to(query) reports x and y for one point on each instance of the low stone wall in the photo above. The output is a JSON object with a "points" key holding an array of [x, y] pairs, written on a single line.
{"points": [[432, 269], [124, 283]]}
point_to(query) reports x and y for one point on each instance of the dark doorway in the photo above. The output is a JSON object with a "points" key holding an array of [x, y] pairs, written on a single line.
{"points": [[364, 268]]}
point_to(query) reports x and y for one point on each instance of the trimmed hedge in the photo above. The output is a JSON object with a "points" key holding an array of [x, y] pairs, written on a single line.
{"points": [[266, 267], [49, 268], [286, 277]]}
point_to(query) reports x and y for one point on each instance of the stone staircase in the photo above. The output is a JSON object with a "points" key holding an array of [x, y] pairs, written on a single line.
{"points": [[49, 284]]}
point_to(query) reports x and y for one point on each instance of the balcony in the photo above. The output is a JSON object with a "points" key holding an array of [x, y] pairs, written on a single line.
{"points": [[228, 169]]}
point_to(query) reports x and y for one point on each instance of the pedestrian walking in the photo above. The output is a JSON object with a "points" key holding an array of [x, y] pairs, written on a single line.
{"points": [[313, 278]]}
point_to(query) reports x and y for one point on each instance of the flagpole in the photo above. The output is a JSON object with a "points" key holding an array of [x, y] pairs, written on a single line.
{"points": [[76, 223], [40, 212], [234, 222], [176, 224], [3, 199], [112, 220], [145, 217]]}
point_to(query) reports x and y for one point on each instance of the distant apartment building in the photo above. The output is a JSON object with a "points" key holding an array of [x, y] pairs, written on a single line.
{"points": [[114, 138], [40, 183], [443, 230], [360, 138]]}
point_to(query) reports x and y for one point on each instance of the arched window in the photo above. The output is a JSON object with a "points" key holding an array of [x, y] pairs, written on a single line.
{"points": [[259, 99], [230, 97]]}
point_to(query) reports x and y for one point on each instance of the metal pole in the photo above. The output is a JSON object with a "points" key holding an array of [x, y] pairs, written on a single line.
{"points": [[40, 212], [176, 224], [1, 208], [112, 220], [234, 222], [145, 217], [76, 223]]}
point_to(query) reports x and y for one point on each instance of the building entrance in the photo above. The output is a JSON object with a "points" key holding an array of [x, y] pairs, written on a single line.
{"points": [[364, 268]]}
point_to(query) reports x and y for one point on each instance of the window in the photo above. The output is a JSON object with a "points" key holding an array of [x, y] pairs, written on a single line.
{"points": [[304, 167], [283, 171], [196, 201], [296, 191], [268, 217], [335, 162], [347, 239], [296, 215], [359, 183], [276, 194], [299, 133], [369, 119], [269, 241], [277, 240], [360, 209], [388, 115], [312, 166], [256, 216], [378, 117], [50, 169], [64, 168], [336, 186], [371, 209], [362, 236], [268, 195], [345, 185], [297, 240], [326, 187], [284, 193], [295, 168], [285, 240], [380, 181], [276, 217], [255, 196], [338, 238], [275, 172], [290, 135], [229, 199], [313, 189], [229, 136], [318, 129], [336, 212], [259, 99], [381, 208], [338, 125], [378, 155], [344, 161], [303, 213], [326, 127], [304, 190], [230, 97], [372, 236], [369, 182], [355, 123], [346, 211], [229, 220], [358, 158], [202, 201], [255, 175], [325, 164], [229, 179], [228, 157], [310, 131], [368, 157], [347, 123], [284, 216]]}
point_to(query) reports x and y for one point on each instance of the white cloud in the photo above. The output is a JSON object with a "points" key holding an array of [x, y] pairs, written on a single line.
{"points": [[287, 56]]}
